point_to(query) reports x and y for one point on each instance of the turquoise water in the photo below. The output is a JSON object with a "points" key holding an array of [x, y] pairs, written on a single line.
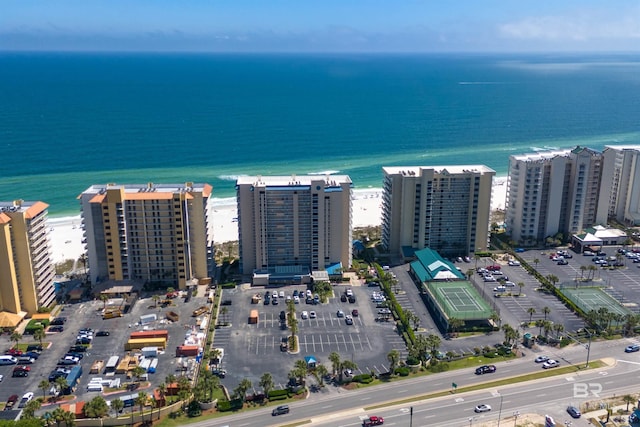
{"points": [[71, 120]]}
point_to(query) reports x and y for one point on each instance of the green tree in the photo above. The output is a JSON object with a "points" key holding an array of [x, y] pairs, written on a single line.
{"points": [[96, 408], [531, 311], [141, 401], [546, 310], [495, 318], [334, 358], [627, 398], [321, 371], [137, 372], [30, 409], [455, 324], [240, 391], [44, 386], [104, 298], [39, 335], [266, 382], [223, 312], [393, 357], [117, 405], [347, 364], [16, 337], [61, 384], [520, 286], [69, 419], [433, 343], [58, 415], [553, 279]]}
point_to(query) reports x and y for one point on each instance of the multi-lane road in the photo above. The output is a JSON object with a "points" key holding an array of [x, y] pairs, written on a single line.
{"points": [[545, 396]]}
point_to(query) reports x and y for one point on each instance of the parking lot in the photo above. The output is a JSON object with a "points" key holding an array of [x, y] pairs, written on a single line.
{"points": [[253, 349], [86, 315]]}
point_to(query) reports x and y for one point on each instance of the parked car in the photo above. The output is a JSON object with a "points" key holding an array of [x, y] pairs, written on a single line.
{"points": [[550, 364], [280, 410], [312, 314], [56, 328], [573, 411], [14, 352], [34, 347], [514, 263], [304, 315], [354, 312], [340, 313], [26, 398], [11, 401], [541, 359], [632, 348], [18, 374], [32, 354], [348, 320], [482, 408], [102, 333]]}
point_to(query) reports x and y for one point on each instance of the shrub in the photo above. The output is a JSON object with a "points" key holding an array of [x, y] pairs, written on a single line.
{"points": [[403, 371], [412, 361], [439, 367], [276, 393], [363, 378], [229, 405]]}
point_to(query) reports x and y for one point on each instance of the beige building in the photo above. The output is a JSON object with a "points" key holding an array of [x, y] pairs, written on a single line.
{"points": [[153, 233], [294, 224], [444, 208], [26, 269], [552, 192], [620, 187]]}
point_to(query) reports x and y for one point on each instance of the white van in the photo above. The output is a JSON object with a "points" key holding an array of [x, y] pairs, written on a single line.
{"points": [[499, 289], [8, 360]]}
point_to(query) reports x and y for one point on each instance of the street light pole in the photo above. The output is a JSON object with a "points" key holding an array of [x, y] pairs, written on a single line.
{"points": [[588, 348], [500, 411], [515, 418]]}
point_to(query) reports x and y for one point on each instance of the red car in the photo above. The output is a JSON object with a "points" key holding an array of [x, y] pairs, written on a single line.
{"points": [[494, 267], [354, 313], [14, 352], [373, 421]]}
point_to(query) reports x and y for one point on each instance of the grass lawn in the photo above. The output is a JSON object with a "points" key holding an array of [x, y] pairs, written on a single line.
{"points": [[23, 346]]}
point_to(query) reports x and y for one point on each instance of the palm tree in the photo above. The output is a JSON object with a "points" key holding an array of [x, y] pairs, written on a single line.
{"points": [[215, 355], [266, 382], [137, 372], [393, 357], [583, 268], [433, 343], [540, 325], [61, 384], [104, 298], [627, 398], [536, 261], [155, 299], [347, 364], [455, 324], [224, 311], [334, 358], [69, 419], [39, 335], [16, 337], [546, 310], [531, 311], [558, 328], [553, 279], [44, 386], [548, 326], [241, 391], [29, 411], [141, 400], [520, 285], [117, 405], [58, 415], [321, 371]]}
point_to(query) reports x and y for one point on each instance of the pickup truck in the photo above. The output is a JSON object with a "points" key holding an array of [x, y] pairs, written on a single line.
{"points": [[11, 402]]}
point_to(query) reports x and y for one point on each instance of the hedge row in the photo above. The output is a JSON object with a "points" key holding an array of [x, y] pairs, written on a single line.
{"points": [[34, 325], [404, 327], [229, 405], [363, 378], [277, 393]]}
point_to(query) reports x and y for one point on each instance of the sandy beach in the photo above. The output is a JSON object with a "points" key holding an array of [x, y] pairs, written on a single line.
{"points": [[65, 234]]}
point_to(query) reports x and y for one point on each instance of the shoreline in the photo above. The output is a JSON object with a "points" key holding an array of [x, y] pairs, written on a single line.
{"points": [[66, 234]]}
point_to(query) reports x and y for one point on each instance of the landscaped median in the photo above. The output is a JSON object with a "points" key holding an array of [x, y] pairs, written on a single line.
{"points": [[544, 373]]}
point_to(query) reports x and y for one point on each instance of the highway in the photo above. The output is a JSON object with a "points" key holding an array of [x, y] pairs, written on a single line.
{"points": [[545, 396]]}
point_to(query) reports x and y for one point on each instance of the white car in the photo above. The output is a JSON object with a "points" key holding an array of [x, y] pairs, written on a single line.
{"points": [[312, 314], [26, 398], [514, 263], [281, 294], [348, 319], [550, 364], [482, 408], [304, 315], [296, 299], [349, 292]]}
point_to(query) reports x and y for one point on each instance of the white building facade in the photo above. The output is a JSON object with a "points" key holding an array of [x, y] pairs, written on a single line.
{"points": [[444, 208], [620, 187]]}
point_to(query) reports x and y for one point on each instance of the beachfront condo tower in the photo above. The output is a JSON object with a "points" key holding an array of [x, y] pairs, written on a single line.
{"points": [[552, 192], [444, 208], [620, 186], [26, 269], [154, 234], [290, 226]]}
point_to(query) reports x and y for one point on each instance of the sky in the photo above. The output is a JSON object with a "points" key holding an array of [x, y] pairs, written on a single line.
{"points": [[321, 25]]}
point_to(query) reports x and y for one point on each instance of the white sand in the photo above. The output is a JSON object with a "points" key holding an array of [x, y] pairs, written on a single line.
{"points": [[66, 235]]}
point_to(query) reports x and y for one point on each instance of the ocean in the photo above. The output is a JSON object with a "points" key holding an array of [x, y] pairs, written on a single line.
{"points": [[70, 120]]}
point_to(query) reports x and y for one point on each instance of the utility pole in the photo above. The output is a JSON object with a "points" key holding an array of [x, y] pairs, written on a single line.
{"points": [[500, 411], [588, 348]]}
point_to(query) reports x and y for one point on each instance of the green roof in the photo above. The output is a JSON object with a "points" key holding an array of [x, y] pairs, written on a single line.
{"points": [[431, 266]]}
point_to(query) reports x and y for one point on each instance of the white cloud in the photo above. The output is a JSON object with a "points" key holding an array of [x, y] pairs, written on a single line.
{"points": [[578, 27]]}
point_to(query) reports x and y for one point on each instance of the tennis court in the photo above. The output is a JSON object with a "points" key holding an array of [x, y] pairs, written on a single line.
{"points": [[594, 298], [459, 299]]}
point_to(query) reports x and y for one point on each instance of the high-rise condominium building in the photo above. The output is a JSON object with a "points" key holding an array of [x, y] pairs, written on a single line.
{"points": [[26, 269], [620, 186], [444, 208], [286, 221], [552, 192], [153, 233]]}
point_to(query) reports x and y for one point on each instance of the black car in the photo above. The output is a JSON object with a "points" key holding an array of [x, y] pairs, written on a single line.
{"points": [[83, 340], [563, 262], [343, 298], [32, 354], [102, 333], [58, 321], [267, 301], [77, 349], [486, 369], [280, 410], [57, 374], [20, 373], [133, 386], [283, 315], [56, 328], [34, 347], [352, 299]]}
